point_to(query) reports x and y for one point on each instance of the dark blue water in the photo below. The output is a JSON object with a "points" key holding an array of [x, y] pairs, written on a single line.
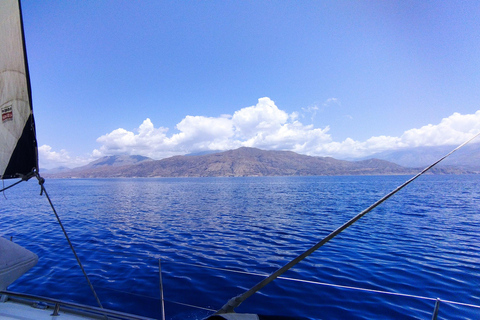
{"points": [[423, 242]]}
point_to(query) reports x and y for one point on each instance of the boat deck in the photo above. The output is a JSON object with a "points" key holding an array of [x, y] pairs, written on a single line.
{"points": [[12, 310], [17, 306]]}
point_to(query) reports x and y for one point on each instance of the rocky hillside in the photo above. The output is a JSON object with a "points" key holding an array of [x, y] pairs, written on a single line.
{"points": [[236, 163]]}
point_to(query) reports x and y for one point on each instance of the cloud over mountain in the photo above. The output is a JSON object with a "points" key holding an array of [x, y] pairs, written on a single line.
{"points": [[266, 126], [50, 159], [263, 125]]}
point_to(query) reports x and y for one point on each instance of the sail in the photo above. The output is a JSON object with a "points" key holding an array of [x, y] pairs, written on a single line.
{"points": [[18, 146]]}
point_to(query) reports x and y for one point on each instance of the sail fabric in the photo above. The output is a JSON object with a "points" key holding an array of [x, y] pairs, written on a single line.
{"points": [[14, 262], [18, 147]]}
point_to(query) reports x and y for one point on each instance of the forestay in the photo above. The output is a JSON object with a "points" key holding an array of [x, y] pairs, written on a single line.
{"points": [[18, 146]]}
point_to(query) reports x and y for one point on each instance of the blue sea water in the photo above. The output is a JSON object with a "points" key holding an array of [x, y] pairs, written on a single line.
{"points": [[216, 236]]}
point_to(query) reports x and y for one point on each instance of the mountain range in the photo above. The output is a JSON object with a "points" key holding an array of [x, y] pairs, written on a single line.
{"points": [[467, 158], [237, 163]]}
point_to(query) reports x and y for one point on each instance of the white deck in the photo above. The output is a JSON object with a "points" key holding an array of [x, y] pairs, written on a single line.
{"points": [[18, 311]]}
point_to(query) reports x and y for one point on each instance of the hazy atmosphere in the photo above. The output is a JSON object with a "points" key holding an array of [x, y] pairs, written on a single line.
{"points": [[330, 78]]}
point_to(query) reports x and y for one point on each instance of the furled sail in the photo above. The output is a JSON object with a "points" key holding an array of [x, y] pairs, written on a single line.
{"points": [[18, 146]]}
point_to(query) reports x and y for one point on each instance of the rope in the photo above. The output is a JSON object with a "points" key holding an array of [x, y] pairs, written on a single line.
{"points": [[41, 182], [22, 178], [12, 185], [236, 301]]}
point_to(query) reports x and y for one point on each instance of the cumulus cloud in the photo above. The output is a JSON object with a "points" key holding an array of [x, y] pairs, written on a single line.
{"points": [[452, 130], [199, 133], [147, 140], [265, 126], [52, 159], [264, 118]]}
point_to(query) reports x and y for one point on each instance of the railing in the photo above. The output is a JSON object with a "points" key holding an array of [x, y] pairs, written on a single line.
{"points": [[58, 305], [437, 300], [70, 307]]}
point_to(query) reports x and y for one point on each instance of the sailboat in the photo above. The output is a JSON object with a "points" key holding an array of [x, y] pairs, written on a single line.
{"points": [[19, 160]]}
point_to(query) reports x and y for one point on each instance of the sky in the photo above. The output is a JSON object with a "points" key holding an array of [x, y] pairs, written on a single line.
{"points": [[324, 78]]}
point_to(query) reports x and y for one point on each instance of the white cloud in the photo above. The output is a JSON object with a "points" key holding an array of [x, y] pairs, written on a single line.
{"points": [[263, 118], [51, 159], [452, 130], [312, 110], [264, 126], [148, 141], [331, 102], [199, 133]]}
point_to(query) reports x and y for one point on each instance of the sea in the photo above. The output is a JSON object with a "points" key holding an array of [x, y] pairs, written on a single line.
{"points": [[206, 240]]}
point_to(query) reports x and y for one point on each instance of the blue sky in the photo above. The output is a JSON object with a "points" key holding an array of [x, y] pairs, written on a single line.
{"points": [[338, 78]]}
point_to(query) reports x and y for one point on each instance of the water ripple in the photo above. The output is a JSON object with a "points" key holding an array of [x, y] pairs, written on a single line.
{"points": [[425, 241]]}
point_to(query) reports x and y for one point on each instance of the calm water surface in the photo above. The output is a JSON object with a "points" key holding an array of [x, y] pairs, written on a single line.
{"points": [[423, 242]]}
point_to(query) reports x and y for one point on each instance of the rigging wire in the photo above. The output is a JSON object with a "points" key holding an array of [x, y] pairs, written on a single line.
{"points": [[41, 182], [234, 302], [256, 274]]}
